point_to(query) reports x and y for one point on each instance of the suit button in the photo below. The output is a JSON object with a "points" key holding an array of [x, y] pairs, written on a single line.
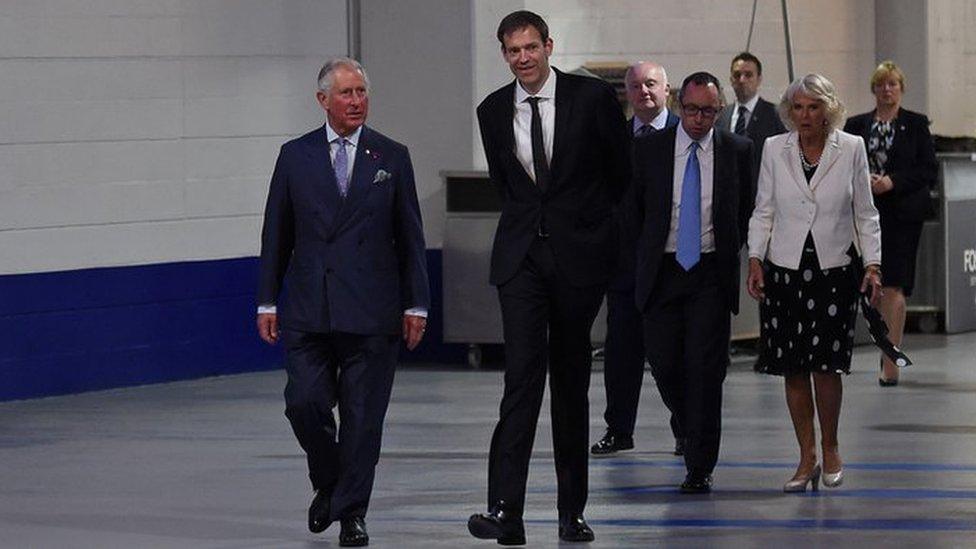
{"points": [[328, 271]]}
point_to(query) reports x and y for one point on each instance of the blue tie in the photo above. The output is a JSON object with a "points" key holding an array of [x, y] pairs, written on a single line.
{"points": [[341, 166], [689, 216]]}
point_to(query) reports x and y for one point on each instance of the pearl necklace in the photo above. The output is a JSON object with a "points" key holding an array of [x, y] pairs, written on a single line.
{"points": [[807, 165]]}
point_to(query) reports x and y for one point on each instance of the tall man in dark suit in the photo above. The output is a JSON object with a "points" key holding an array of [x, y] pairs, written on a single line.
{"points": [[342, 233], [556, 146], [750, 115], [693, 198], [623, 363]]}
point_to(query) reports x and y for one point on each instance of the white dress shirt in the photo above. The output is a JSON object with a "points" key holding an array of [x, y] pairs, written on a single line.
{"points": [[659, 122], [706, 164], [750, 106], [351, 145], [523, 121]]}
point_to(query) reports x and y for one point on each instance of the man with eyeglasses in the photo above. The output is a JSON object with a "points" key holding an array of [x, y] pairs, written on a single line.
{"points": [[690, 211]]}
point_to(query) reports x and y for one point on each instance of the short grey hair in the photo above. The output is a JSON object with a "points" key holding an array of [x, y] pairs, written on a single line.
{"points": [[327, 73], [817, 87], [632, 68]]}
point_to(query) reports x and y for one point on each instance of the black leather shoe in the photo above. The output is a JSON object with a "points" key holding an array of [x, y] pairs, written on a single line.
{"points": [[501, 524], [353, 533], [679, 446], [696, 484], [318, 512], [882, 380], [611, 444], [574, 528]]}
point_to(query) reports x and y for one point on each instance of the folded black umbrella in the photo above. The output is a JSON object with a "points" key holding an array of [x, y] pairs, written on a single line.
{"points": [[876, 325]]}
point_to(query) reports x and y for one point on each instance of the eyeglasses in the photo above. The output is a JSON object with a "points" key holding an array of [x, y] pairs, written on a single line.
{"points": [[694, 110]]}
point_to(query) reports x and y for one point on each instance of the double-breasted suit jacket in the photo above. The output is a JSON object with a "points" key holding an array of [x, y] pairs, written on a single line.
{"points": [[352, 264]]}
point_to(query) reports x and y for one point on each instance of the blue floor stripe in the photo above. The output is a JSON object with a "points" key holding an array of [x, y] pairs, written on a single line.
{"points": [[875, 493], [889, 466], [827, 524], [901, 524]]}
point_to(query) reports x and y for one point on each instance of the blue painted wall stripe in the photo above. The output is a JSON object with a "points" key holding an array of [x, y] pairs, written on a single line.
{"points": [[91, 329]]}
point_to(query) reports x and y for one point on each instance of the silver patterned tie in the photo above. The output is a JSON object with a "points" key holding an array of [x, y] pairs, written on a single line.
{"points": [[341, 166]]}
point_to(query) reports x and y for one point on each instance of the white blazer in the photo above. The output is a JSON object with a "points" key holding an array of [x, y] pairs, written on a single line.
{"points": [[836, 206]]}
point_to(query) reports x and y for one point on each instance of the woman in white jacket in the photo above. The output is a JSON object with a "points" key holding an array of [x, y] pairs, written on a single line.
{"points": [[813, 202]]}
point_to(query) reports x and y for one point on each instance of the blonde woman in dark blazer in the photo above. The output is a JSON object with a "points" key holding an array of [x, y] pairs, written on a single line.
{"points": [[903, 168], [813, 202]]}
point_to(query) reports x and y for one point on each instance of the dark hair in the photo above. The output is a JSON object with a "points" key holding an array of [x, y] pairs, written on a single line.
{"points": [[746, 56], [700, 78], [521, 19]]}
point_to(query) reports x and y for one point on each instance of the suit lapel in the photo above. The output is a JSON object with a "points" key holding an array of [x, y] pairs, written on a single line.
{"points": [[827, 159], [361, 181], [564, 106], [755, 119], [323, 174], [665, 167], [506, 116], [791, 154], [722, 169], [900, 140], [505, 132]]}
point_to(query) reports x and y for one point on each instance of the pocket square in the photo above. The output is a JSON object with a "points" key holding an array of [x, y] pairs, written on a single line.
{"points": [[381, 176]]}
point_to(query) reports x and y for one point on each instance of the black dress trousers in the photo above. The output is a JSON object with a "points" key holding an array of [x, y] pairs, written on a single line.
{"points": [[687, 322], [354, 372], [546, 323]]}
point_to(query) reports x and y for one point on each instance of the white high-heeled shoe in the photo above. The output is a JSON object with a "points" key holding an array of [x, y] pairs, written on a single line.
{"points": [[800, 484], [833, 480]]}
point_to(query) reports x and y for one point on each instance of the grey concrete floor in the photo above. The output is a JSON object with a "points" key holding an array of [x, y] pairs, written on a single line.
{"points": [[212, 463]]}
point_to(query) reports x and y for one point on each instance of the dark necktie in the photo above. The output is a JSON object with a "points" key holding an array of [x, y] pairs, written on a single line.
{"points": [[539, 161], [645, 130], [740, 124]]}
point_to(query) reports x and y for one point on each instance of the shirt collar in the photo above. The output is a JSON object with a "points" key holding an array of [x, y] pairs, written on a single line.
{"points": [[658, 123], [683, 141], [352, 138], [750, 105], [548, 91]]}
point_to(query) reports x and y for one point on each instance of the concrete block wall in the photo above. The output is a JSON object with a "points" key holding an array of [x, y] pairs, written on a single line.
{"points": [[139, 132], [137, 138]]}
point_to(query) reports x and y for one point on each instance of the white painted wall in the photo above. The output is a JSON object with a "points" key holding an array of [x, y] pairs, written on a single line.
{"points": [[145, 131], [416, 53], [834, 37], [951, 81]]}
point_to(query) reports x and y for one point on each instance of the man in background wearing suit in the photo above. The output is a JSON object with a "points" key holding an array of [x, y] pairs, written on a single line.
{"points": [[750, 115], [692, 200], [623, 361], [343, 234], [556, 146]]}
